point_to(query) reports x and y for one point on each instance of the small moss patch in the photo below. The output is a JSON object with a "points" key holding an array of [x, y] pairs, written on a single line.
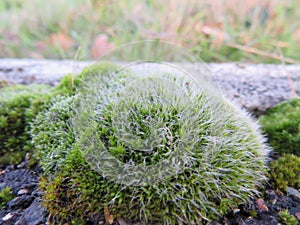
{"points": [[281, 125], [18, 106], [5, 196], [285, 171]]}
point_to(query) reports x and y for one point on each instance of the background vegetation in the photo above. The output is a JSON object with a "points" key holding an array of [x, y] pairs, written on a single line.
{"points": [[218, 30]]}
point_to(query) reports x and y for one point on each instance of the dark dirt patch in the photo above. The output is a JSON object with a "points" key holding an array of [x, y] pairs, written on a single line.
{"points": [[26, 207], [252, 213]]}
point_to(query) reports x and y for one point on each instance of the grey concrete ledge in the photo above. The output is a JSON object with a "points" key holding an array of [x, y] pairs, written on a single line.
{"points": [[255, 87]]}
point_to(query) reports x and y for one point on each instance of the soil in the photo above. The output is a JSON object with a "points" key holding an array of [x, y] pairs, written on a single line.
{"points": [[26, 208]]}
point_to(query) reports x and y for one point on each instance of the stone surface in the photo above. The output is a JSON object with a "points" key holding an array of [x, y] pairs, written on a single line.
{"points": [[19, 179], [25, 208], [255, 87], [293, 192], [8, 217], [23, 191], [20, 202], [33, 215]]}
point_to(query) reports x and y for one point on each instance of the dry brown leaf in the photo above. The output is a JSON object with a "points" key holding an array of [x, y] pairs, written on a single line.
{"points": [[41, 46], [279, 30], [109, 219], [296, 35], [101, 46], [262, 205], [61, 39]]}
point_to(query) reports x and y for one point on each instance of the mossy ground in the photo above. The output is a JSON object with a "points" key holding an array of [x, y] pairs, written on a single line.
{"points": [[281, 125], [18, 106], [73, 190], [285, 171]]}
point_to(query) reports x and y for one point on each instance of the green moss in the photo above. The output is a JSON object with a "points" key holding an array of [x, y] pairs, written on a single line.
{"points": [[285, 171], [16, 112], [286, 218], [75, 190], [50, 132], [5, 196], [281, 125], [19, 105], [223, 156], [69, 82]]}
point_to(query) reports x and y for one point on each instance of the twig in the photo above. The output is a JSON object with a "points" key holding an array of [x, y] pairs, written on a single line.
{"points": [[260, 52], [288, 76]]}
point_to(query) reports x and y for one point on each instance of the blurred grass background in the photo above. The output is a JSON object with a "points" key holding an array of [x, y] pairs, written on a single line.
{"points": [[217, 30]]}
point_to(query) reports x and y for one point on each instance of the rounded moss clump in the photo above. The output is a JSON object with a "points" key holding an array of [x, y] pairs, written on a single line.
{"points": [[18, 105], [281, 124], [213, 151], [285, 171]]}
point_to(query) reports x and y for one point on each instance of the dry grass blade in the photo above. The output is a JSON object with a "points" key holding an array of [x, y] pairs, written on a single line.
{"points": [[109, 219], [287, 74], [260, 52]]}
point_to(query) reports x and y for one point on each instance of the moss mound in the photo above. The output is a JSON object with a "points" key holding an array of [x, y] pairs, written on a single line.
{"points": [[216, 149], [285, 171], [281, 124], [18, 106]]}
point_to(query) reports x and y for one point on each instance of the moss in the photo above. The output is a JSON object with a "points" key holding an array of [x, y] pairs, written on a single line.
{"points": [[5, 196], [50, 132], [19, 104], [75, 191], [70, 82], [285, 171], [281, 125], [222, 156], [286, 218], [16, 112]]}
